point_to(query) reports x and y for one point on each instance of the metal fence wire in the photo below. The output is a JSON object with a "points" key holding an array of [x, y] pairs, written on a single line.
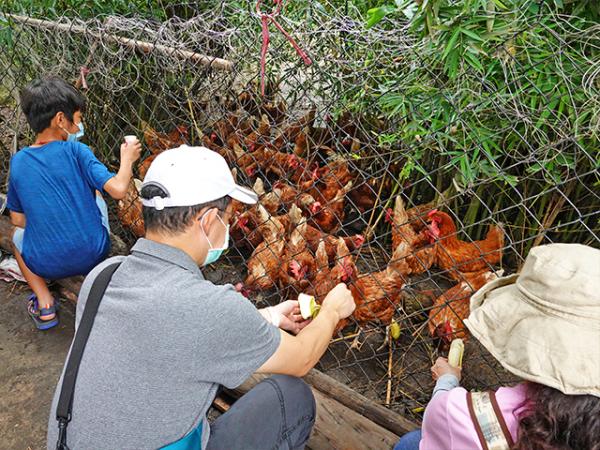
{"points": [[381, 182]]}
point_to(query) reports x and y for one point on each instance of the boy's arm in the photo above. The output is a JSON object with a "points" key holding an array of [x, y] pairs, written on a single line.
{"points": [[17, 219], [118, 185]]}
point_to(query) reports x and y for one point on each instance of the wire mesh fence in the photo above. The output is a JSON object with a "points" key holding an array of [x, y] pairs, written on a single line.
{"points": [[413, 181]]}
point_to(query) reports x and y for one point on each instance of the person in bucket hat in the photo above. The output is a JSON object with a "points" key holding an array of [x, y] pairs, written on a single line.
{"points": [[542, 325], [165, 338]]}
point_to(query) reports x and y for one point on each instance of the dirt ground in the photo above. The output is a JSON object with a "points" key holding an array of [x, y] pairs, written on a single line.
{"points": [[30, 364]]}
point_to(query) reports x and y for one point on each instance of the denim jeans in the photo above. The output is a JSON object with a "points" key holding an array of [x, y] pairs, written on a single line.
{"points": [[278, 413], [410, 441]]}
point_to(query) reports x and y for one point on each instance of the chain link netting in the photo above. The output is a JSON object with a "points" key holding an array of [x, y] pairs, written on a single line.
{"points": [[336, 149]]}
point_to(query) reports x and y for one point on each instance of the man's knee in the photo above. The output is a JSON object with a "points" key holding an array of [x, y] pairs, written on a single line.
{"points": [[298, 406], [296, 392]]}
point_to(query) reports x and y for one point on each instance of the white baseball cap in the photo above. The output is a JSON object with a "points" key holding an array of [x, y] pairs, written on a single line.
{"points": [[193, 176]]}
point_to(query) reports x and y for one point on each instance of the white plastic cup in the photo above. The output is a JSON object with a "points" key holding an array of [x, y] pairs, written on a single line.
{"points": [[131, 139]]}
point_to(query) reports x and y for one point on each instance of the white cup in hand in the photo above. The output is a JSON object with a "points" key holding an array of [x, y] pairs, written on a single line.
{"points": [[130, 139]]}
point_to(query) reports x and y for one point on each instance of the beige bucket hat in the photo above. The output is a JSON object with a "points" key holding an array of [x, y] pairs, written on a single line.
{"points": [[543, 324]]}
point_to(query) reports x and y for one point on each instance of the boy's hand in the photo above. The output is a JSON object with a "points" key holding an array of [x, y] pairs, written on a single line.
{"points": [[340, 300], [441, 367], [130, 153]]}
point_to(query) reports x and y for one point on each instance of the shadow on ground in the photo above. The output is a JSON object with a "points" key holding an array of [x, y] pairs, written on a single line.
{"points": [[30, 364]]}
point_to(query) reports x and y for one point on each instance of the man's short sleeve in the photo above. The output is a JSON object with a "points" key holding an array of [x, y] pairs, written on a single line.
{"points": [[95, 173], [13, 202], [236, 341]]}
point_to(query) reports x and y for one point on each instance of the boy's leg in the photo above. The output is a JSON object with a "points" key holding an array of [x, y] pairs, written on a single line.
{"points": [[35, 282], [278, 413]]}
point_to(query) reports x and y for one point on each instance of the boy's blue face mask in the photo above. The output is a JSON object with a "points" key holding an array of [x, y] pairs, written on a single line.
{"points": [[74, 137], [215, 253]]}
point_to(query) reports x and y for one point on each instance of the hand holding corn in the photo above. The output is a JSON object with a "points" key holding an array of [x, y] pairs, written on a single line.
{"points": [[442, 367]]}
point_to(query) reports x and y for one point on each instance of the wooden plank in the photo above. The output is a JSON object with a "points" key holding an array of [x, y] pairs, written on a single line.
{"points": [[337, 427], [359, 403], [221, 405], [6, 232]]}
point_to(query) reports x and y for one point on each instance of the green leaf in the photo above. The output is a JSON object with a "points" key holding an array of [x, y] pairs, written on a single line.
{"points": [[500, 5], [376, 15], [451, 43], [472, 35], [473, 61], [452, 64]]}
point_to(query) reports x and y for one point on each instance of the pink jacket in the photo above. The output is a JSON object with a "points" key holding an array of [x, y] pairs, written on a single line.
{"points": [[447, 424]]}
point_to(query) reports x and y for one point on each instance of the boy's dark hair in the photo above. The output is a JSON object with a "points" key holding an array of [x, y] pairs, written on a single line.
{"points": [[43, 98], [175, 219]]}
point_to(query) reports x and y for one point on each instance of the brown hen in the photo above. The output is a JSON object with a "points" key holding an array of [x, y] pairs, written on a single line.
{"points": [[453, 306], [264, 265], [457, 256], [375, 294], [130, 209]]}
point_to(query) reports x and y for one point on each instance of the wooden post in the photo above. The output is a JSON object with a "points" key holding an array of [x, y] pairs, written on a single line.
{"points": [[145, 47]]}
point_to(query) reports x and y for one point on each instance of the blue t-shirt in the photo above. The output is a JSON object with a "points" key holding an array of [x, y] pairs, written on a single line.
{"points": [[54, 186]]}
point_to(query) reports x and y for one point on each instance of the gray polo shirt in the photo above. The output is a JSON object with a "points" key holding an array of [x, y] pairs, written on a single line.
{"points": [[163, 340]]}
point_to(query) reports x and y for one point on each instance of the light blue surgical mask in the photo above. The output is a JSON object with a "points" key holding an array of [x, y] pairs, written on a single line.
{"points": [[74, 137], [215, 253]]}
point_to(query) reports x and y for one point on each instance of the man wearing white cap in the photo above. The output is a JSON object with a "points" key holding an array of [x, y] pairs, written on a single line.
{"points": [[164, 338]]}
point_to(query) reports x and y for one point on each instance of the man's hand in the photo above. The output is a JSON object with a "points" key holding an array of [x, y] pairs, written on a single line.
{"points": [[286, 316], [340, 301], [130, 153], [441, 367]]}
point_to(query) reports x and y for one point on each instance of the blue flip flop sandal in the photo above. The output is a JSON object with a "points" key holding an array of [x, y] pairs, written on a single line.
{"points": [[35, 313]]}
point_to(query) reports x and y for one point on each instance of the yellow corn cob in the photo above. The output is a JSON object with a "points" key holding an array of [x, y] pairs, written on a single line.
{"points": [[455, 355], [395, 330], [308, 306]]}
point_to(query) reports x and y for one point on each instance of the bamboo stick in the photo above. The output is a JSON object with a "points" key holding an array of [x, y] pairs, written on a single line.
{"points": [[134, 44]]}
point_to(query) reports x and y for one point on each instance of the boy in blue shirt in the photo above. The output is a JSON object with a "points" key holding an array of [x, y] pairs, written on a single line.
{"points": [[54, 194]]}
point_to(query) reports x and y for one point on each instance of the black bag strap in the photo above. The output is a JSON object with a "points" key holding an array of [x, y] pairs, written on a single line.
{"points": [[65, 401]]}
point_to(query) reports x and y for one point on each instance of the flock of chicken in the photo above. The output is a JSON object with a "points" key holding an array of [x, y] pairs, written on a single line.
{"points": [[293, 233]]}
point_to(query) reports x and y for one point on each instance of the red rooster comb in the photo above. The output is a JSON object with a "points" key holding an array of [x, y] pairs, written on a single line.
{"points": [[297, 270], [389, 214], [359, 240], [316, 207]]}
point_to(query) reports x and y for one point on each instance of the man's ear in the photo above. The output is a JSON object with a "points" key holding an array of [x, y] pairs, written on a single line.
{"points": [[207, 217]]}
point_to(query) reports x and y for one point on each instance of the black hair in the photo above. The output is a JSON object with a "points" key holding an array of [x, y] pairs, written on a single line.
{"points": [[175, 219], [43, 98]]}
